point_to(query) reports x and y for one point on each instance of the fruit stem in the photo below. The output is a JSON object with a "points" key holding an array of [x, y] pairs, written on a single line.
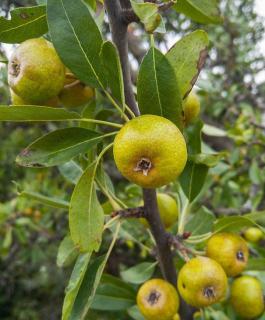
{"points": [[111, 124]]}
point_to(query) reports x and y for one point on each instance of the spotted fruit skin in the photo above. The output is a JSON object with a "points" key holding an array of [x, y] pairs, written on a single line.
{"points": [[202, 282], [18, 101], [230, 251], [191, 108], [155, 139], [247, 297], [35, 72], [253, 234], [157, 300]]}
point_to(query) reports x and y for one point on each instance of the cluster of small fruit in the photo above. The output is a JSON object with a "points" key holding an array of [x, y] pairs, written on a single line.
{"points": [[202, 281], [37, 76]]}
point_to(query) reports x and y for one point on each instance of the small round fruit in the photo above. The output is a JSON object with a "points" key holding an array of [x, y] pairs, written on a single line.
{"points": [[191, 108], [253, 234], [150, 151], [247, 297], [176, 317], [18, 101], [202, 282], [35, 72], [230, 251], [75, 93], [157, 299], [168, 210]]}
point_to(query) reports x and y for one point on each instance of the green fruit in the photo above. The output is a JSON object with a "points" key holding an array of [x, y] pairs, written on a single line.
{"points": [[18, 101], [35, 72], [191, 108], [230, 251], [76, 94], [202, 282], [150, 151], [168, 210], [253, 234], [247, 297], [158, 300]]}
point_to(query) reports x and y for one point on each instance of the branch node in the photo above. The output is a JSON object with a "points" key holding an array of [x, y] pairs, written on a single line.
{"points": [[129, 213]]}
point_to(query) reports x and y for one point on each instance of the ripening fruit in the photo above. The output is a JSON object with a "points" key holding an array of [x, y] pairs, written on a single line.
{"points": [[230, 251], [75, 93], [168, 210], [202, 282], [35, 72], [247, 297], [157, 299], [191, 107], [18, 101], [150, 151], [176, 317], [253, 234]]}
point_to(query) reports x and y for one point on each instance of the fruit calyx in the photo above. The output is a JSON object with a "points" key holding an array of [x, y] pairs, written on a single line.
{"points": [[240, 256], [209, 293], [144, 165], [14, 68], [153, 297]]}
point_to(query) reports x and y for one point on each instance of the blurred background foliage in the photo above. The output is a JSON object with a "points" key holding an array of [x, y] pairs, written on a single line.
{"points": [[232, 93]]}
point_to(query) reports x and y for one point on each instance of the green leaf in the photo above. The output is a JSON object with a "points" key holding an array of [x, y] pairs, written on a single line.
{"points": [[135, 313], [90, 283], [213, 131], [48, 201], [111, 61], [25, 23], [201, 222], [202, 11], [187, 57], [210, 160], [71, 171], [113, 294], [148, 14], [74, 284], [193, 137], [254, 173], [139, 273], [66, 252], [86, 217], [35, 113], [58, 147], [192, 179], [157, 87], [236, 223], [256, 264], [77, 39]]}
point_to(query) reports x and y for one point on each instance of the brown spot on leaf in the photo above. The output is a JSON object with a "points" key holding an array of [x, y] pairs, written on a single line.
{"points": [[25, 153], [24, 15], [200, 64]]}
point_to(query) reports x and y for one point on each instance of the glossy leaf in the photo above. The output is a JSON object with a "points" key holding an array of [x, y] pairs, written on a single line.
{"points": [[74, 284], [111, 61], [187, 57], [135, 313], [113, 294], [148, 14], [71, 171], [25, 23], [158, 91], [48, 201], [35, 113], [201, 222], [193, 137], [66, 252], [192, 179], [210, 160], [139, 273], [58, 147], [202, 11], [213, 131], [90, 283], [77, 39], [86, 217]]}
